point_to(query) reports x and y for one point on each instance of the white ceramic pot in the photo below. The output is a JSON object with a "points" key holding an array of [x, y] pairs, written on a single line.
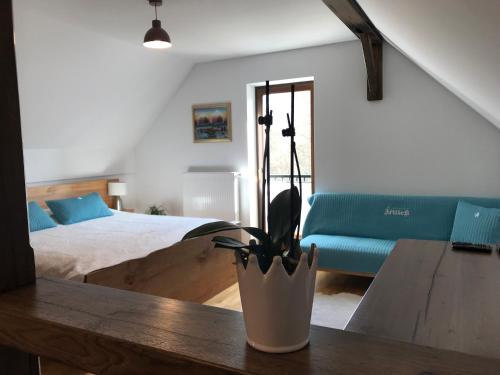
{"points": [[277, 306]]}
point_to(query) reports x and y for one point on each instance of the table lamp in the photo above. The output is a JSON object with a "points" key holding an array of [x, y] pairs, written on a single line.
{"points": [[117, 190]]}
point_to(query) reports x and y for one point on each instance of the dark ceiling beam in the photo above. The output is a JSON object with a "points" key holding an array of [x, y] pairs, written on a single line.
{"points": [[353, 16]]}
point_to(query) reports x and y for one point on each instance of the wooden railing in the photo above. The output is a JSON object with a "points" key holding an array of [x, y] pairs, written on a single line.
{"points": [[110, 331]]}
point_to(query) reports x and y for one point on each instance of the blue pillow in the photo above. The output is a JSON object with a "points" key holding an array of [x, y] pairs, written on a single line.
{"points": [[76, 210], [475, 224], [38, 218]]}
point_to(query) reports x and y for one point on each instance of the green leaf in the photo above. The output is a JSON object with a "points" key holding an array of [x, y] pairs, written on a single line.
{"points": [[229, 242], [257, 233], [209, 228], [220, 226], [239, 250], [278, 218], [290, 264]]}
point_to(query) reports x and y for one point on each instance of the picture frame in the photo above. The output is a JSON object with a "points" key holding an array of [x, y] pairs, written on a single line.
{"points": [[212, 122]]}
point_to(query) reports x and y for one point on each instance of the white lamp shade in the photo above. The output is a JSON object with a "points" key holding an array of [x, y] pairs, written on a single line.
{"points": [[117, 189]]}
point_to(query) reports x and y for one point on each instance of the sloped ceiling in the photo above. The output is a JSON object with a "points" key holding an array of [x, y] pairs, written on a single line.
{"points": [[87, 83], [88, 87], [455, 41]]}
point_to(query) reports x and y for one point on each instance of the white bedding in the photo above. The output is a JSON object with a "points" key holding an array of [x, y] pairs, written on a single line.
{"points": [[72, 251]]}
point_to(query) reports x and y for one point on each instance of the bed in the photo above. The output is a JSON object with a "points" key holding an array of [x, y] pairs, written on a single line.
{"points": [[130, 251]]}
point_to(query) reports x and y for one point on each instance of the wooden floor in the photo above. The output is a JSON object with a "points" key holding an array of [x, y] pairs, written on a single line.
{"points": [[332, 283], [326, 283]]}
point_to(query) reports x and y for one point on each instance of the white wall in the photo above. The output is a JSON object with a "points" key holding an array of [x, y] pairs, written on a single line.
{"points": [[47, 166], [420, 139], [86, 96], [456, 41], [89, 90]]}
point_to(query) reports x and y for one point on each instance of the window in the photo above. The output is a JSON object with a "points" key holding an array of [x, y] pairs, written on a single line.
{"points": [[279, 100]]}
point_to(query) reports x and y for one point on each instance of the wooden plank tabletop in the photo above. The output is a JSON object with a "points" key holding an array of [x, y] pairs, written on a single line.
{"points": [[428, 294], [110, 331]]}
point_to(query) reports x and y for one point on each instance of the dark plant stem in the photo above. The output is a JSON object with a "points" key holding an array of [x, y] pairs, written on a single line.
{"points": [[292, 173], [263, 197], [268, 128], [267, 121], [299, 174]]}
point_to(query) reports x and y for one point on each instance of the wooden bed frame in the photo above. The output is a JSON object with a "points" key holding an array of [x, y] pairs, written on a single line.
{"points": [[191, 271], [42, 193]]}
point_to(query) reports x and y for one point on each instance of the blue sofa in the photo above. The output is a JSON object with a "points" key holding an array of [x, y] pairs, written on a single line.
{"points": [[356, 232]]}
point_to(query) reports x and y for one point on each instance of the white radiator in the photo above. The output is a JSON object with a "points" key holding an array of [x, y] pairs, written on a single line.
{"points": [[211, 194]]}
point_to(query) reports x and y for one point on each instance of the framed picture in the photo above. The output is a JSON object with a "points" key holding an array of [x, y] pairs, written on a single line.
{"points": [[212, 122]]}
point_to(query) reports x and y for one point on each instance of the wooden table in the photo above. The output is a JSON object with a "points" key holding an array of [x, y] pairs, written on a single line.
{"points": [[428, 294]]}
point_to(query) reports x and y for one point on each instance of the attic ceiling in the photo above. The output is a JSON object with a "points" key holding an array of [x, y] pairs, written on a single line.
{"points": [[455, 41], [206, 29], [86, 81]]}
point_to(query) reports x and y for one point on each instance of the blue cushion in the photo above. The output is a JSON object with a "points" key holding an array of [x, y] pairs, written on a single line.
{"points": [[75, 210], [353, 254], [389, 217], [475, 224], [38, 218]]}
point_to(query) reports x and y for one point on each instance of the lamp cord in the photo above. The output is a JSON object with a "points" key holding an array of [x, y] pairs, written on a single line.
{"points": [[156, 13]]}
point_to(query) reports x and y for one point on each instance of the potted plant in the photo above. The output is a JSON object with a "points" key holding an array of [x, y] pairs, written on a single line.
{"points": [[276, 279], [156, 210]]}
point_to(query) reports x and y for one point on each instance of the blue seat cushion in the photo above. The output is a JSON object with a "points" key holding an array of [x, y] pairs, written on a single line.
{"points": [[352, 254], [388, 217], [476, 224], [75, 210], [38, 218]]}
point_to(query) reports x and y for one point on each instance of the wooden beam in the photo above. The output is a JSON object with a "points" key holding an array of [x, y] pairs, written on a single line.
{"points": [[111, 331], [17, 266], [372, 50], [353, 16]]}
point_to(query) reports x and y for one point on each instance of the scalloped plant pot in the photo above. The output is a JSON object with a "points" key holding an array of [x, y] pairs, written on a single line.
{"points": [[277, 306]]}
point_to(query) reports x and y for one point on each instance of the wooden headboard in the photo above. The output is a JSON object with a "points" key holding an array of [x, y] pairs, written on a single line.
{"points": [[43, 193]]}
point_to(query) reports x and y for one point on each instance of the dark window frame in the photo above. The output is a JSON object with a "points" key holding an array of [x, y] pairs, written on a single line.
{"points": [[260, 92]]}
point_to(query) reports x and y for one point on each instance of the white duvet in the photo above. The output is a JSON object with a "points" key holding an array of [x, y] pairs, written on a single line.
{"points": [[72, 251]]}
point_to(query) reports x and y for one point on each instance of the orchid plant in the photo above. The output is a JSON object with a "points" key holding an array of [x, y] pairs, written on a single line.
{"points": [[283, 213], [265, 246]]}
